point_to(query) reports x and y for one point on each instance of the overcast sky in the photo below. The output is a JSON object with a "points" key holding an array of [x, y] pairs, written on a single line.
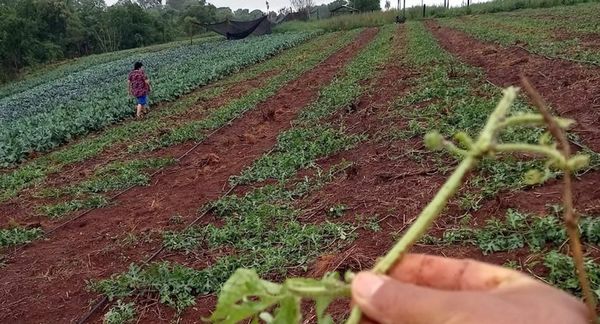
{"points": [[278, 4]]}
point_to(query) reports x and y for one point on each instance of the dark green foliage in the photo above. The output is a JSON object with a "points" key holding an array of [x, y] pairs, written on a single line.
{"points": [[590, 229], [38, 31], [366, 5]]}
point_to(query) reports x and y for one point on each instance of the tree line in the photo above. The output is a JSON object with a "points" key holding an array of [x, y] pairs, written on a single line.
{"points": [[39, 31]]}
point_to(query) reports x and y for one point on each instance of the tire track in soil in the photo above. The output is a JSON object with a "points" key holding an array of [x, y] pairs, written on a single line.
{"points": [[572, 89], [47, 279], [23, 208]]}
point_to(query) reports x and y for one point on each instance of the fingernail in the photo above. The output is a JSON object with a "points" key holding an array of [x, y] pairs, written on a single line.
{"points": [[366, 284]]}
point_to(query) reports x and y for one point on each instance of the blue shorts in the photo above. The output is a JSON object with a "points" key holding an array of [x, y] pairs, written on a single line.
{"points": [[143, 100]]}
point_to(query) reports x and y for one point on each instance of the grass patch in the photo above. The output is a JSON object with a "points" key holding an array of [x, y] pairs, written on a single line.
{"points": [[345, 22], [114, 176], [537, 31], [496, 6], [518, 230], [561, 273]]}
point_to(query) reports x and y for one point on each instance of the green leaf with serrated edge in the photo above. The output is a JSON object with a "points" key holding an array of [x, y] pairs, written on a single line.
{"points": [[244, 295], [288, 311]]}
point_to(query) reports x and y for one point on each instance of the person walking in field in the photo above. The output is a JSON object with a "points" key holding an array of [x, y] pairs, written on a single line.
{"points": [[139, 87]]}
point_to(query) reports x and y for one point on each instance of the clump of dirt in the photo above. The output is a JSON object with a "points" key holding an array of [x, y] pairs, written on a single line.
{"points": [[209, 159], [269, 115]]}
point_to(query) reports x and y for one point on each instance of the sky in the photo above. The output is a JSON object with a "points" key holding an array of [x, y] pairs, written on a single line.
{"points": [[278, 4]]}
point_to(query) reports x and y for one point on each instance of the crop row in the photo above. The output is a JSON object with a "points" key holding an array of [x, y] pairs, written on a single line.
{"points": [[61, 69], [212, 121], [447, 82], [52, 113], [449, 96], [269, 237], [89, 192], [36, 170], [457, 98], [554, 36]]}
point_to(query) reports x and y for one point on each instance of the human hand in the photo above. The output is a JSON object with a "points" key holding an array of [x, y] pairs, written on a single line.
{"points": [[424, 289]]}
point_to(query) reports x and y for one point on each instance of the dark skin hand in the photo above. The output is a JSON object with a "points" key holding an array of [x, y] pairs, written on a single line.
{"points": [[424, 289]]}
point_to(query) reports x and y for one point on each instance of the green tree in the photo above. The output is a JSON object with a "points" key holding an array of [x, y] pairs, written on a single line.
{"points": [[134, 26], [366, 5], [336, 4], [17, 38], [203, 12], [224, 13], [149, 4], [90, 14], [245, 14], [176, 4], [39, 31], [191, 26]]}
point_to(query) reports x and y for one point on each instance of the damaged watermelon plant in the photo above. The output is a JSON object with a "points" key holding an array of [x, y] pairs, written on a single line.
{"points": [[246, 296]]}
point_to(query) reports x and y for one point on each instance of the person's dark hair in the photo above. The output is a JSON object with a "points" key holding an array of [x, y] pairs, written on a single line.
{"points": [[137, 65]]}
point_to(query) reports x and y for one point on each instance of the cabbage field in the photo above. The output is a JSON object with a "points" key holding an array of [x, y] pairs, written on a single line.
{"points": [[46, 115]]}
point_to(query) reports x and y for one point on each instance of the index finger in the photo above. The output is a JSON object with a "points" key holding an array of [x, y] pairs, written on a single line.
{"points": [[453, 274]]}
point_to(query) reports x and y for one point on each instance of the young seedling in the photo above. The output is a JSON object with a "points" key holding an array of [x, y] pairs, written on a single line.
{"points": [[246, 296]]}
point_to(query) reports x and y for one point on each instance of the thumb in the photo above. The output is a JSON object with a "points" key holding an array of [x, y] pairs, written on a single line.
{"points": [[387, 301]]}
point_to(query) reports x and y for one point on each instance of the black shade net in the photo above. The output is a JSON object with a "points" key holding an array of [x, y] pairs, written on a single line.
{"points": [[242, 29]]}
